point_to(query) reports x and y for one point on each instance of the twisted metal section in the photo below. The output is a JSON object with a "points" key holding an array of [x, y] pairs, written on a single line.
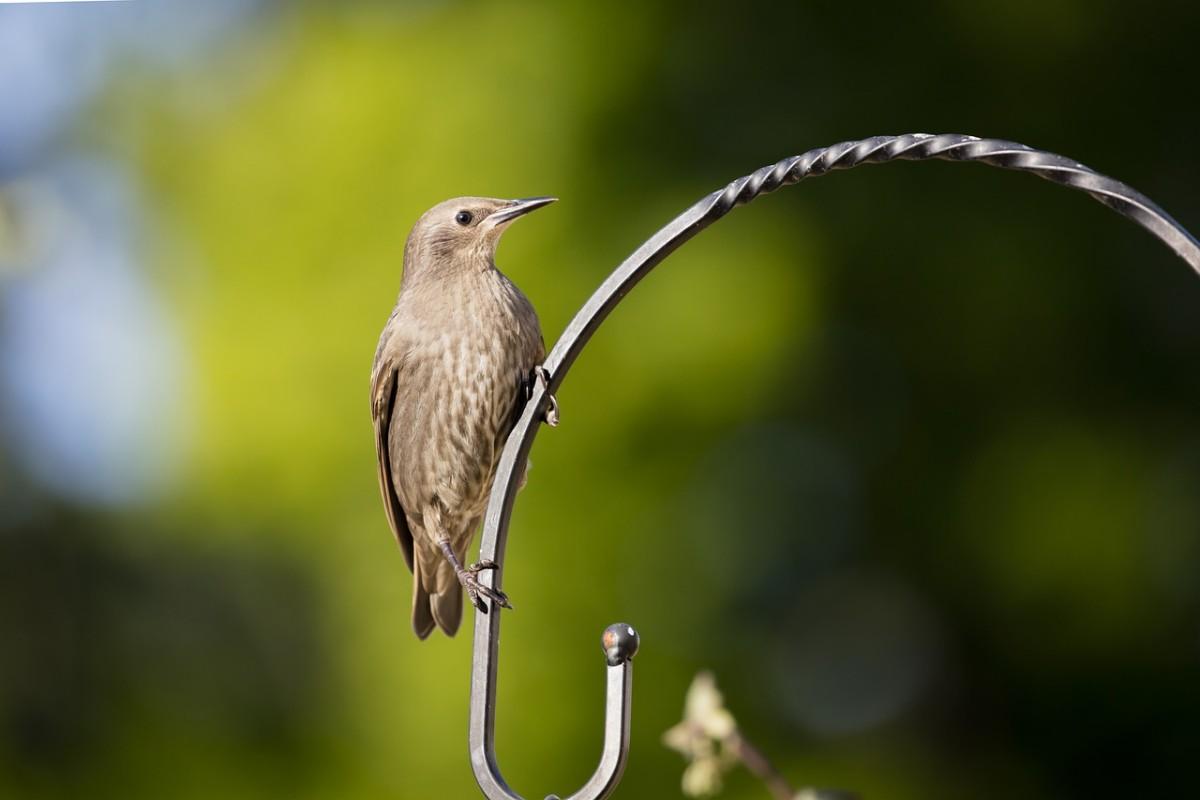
{"points": [[709, 209], [955, 147]]}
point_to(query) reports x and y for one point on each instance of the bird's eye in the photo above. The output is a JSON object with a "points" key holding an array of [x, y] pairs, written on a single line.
{"points": [[463, 218]]}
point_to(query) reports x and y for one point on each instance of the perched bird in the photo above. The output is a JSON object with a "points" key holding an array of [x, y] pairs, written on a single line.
{"points": [[454, 364]]}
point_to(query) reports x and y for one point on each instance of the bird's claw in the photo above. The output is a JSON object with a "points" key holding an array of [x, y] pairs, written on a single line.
{"points": [[543, 375], [469, 578]]}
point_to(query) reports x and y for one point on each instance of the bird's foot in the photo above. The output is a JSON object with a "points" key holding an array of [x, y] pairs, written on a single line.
{"points": [[469, 578], [543, 375]]}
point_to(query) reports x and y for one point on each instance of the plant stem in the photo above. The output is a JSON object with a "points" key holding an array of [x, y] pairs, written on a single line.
{"points": [[761, 766]]}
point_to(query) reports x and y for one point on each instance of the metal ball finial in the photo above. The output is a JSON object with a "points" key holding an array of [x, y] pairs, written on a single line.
{"points": [[620, 643]]}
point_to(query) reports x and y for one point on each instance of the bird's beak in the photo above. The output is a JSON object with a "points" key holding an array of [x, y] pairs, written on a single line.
{"points": [[518, 208]]}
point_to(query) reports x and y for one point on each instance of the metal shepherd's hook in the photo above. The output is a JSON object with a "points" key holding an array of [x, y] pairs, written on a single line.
{"points": [[621, 641]]}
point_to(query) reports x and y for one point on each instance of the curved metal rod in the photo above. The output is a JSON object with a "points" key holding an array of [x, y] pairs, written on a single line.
{"points": [[876, 150]]}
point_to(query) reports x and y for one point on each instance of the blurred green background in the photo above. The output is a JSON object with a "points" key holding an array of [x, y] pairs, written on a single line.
{"points": [[909, 456]]}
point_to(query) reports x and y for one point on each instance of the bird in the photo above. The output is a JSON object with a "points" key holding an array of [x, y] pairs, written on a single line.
{"points": [[454, 365]]}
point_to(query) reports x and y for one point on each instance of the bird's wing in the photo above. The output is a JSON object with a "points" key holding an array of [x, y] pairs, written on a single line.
{"points": [[384, 380]]}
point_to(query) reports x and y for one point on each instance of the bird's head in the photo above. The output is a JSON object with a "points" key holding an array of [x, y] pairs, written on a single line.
{"points": [[462, 233]]}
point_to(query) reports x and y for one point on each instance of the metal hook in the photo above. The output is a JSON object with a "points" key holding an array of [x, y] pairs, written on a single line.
{"points": [[876, 150]]}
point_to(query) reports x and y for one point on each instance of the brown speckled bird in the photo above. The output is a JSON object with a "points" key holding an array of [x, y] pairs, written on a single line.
{"points": [[453, 363]]}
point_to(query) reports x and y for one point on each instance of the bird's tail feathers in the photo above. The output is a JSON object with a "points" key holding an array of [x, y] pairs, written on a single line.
{"points": [[445, 596], [437, 596], [422, 615], [447, 607]]}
